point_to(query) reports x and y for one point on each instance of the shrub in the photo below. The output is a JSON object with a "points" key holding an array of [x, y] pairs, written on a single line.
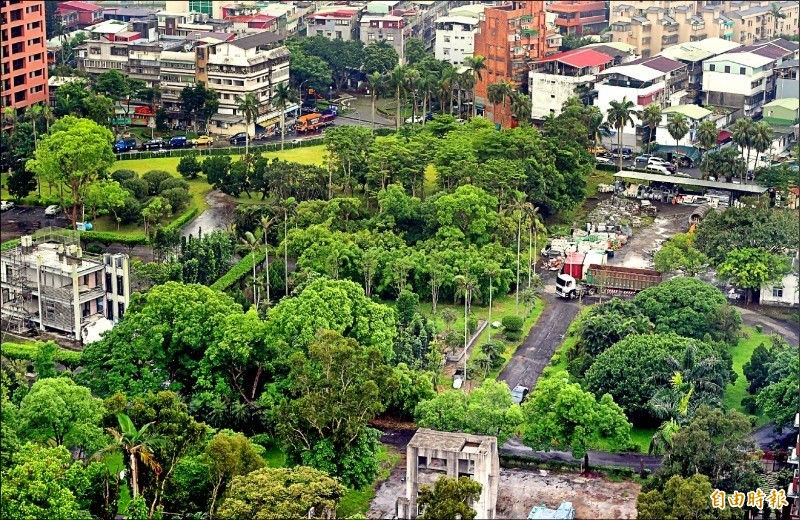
{"points": [[178, 198], [182, 220], [131, 211], [172, 182], [67, 358], [107, 238], [137, 187], [123, 175], [512, 323], [189, 167], [94, 248], [238, 271], [472, 325], [154, 179], [513, 335]]}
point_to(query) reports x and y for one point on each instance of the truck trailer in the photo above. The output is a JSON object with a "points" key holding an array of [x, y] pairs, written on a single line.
{"points": [[607, 279]]}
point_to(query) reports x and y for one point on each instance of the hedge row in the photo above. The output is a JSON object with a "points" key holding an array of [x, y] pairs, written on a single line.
{"points": [[182, 220], [109, 237], [607, 167], [11, 244], [68, 358], [239, 271]]}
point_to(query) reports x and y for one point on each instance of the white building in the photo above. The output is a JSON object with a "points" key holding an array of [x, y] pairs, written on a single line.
{"points": [[694, 116], [785, 292], [177, 72], [335, 23], [455, 38], [558, 77], [253, 64]]}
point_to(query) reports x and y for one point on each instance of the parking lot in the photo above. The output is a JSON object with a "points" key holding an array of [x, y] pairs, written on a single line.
{"points": [[22, 220]]}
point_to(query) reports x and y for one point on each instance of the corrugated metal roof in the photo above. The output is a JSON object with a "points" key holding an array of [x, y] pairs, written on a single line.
{"points": [[686, 181], [659, 63], [690, 111], [579, 58]]}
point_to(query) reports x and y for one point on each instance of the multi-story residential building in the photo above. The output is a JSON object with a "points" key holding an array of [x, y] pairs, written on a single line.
{"points": [[509, 37], [78, 15], [432, 454], [207, 7], [744, 79], [137, 59], [178, 71], [455, 38], [49, 283], [580, 18], [652, 26], [787, 83], [693, 114], [254, 64], [782, 112], [693, 54], [793, 489], [23, 54], [558, 77], [657, 80], [128, 14], [384, 27], [786, 291], [338, 22], [421, 20]]}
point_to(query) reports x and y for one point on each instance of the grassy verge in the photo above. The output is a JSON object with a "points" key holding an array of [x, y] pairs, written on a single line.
{"points": [[357, 500], [113, 462], [741, 353]]}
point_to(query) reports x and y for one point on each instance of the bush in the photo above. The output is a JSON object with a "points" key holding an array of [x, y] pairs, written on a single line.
{"points": [[189, 167], [137, 187], [171, 183], [178, 198], [182, 220], [131, 211], [107, 238], [512, 323], [238, 271], [67, 358], [123, 175], [94, 248], [154, 178], [472, 325], [513, 335]]}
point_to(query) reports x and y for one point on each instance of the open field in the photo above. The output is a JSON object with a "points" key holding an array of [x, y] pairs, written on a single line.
{"points": [[734, 393]]}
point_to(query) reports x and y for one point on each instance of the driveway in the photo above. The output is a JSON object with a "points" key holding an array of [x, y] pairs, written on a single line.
{"points": [[631, 460], [540, 344]]}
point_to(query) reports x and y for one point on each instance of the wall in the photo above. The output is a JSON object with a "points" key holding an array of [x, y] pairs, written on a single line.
{"points": [[790, 292], [549, 92]]}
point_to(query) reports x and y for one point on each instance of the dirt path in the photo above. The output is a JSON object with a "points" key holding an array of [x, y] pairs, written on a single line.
{"points": [[218, 216], [540, 344]]}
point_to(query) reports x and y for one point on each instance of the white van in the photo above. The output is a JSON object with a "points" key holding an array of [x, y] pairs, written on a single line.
{"points": [[657, 168]]}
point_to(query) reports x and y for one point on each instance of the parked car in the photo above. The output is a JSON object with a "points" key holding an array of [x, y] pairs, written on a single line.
{"points": [[6, 205], [203, 140], [125, 144], [603, 160], [153, 144], [658, 161], [644, 158], [52, 211], [179, 141], [414, 119], [657, 168], [626, 153], [519, 393], [239, 138]]}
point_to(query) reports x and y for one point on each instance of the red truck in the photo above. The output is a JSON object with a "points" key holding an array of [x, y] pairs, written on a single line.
{"points": [[607, 279]]}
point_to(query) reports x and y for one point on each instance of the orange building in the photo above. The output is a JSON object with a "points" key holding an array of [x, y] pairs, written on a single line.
{"points": [[580, 18], [23, 54], [509, 37]]}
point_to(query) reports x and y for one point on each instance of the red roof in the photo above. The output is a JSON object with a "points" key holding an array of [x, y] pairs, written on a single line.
{"points": [[579, 58], [339, 13], [78, 6], [723, 136]]}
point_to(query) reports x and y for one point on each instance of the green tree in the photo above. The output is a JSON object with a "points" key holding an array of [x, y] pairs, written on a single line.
{"points": [[762, 139], [780, 176], [521, 107], [744, 130], [157, 209], [59, 411], [681, 498], [496, 94], [267, 493], [77, 152], [651, 116], [348, 148], [138, 445], [189, 167], [751, 268], [756, 369], [248, 106], [476, 64], [414, 51], [606, 324], [397, 79], [230, 454], [105, 195], [283, 96], [707, 134], [380, 57], [678, 255], [773, 230], [678, 127], [619, 115], [559, 414], [449, 498], [778, 399]]}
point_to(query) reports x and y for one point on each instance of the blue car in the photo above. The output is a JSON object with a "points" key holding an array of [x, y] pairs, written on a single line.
{"points": [[125, 144]]}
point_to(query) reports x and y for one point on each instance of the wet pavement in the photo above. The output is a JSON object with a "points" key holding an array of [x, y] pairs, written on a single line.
{"points": [[218, 216]]}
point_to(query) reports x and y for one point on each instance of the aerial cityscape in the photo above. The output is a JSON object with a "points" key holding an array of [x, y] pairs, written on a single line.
{"points": [[399, 259]]}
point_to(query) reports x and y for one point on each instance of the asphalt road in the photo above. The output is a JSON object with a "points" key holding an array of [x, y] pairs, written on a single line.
{"points": [[540, 344], [21, 220]]}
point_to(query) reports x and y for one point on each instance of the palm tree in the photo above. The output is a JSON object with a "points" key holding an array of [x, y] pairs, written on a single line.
{"points": [[10, 117], [532, 214], [451, 76], [492, 271], [651, 116], [248, 107], [678, 127], [496, 93], [743, 131], [520, 208], [398, 80], [375, 81], [138, 444], [283, 96], [445, 90], [520, 107], [466, 82], [286, 207], [776, 15], [707, 138], [619, 115], [477, 64], [762, 139], [466, 283], [412, 80], [251, 242], [428, 83], [266, 223]]}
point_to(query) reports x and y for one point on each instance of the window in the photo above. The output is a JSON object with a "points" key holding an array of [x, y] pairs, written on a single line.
{"points": [[108, 283], [370, 36], [741, 70], [120, 288], [447, 39], [712, 67], [390, 37], [120, 309], [727, 69], [777, 292]]}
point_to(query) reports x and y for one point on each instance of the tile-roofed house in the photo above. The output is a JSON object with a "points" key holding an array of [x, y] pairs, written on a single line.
{"points": [[659, 63], [78, 15], [262, 39]]}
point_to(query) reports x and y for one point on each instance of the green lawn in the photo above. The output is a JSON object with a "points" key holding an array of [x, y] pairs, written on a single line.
{"points": [[734, 393], [358, 500], [113, 462]]}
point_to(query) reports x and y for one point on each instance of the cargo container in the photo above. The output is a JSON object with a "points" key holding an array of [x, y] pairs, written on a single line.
{"points": [[607, 279]]}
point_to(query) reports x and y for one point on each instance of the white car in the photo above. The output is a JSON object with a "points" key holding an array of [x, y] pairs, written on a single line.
{"points": [[416, 119], [52, 211], [457, 382], [657, 168], [657, 160], [603, 160], [6, 205]]}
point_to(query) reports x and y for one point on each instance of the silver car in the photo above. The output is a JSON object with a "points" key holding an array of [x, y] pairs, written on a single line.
{"points": [[52, 211]]}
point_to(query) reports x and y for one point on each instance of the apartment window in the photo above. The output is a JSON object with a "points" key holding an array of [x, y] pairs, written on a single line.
{"points": [[19, 80], [16, 32], [94, 50], [100, 304], [35, 57], [447, 39], [741, 70], [712, 67], [34, 25], [37, 89], [109, 288], [339, 35], [16, 15], [777, 292], [390, 37], [120, 288], [370, 36], [727, 69], [120, 309], [18, 47], [32, 9], [19, 96]]}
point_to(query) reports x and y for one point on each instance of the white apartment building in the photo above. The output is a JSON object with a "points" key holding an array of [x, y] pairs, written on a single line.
{"points": [[556, 78], [252, 64], [178, 71], [48, 283], [335, 23], [784, 292], [455, 38], [737, 80]]}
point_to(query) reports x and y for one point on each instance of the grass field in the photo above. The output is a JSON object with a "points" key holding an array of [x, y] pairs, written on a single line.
{"points": [[734, 393], [113, 462]]}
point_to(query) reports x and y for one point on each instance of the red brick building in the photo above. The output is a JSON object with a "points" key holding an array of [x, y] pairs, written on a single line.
{"points": [[23, 53], [509, 37], [578, 18]]}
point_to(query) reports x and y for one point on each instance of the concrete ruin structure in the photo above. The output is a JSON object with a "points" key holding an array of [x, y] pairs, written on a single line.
{"points": [[432, 454]]}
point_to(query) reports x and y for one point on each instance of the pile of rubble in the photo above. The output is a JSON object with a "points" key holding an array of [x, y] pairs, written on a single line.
{"points": [[616, 211]]}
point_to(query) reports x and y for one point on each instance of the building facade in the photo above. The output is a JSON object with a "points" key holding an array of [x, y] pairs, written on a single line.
{"points": [[509, 37], [340, 23], [79, 15], [784, 292], [693, 55], [432, 454], [787, 82], [23, 54], [580, 18], [455, 39], [48, 283], [387, 28]]}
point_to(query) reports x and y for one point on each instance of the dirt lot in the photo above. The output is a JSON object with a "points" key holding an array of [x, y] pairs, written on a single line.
{"points": [[671, 219], [520, 490]]}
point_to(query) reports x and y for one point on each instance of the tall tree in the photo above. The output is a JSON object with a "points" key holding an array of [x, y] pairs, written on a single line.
{"points": [[248, 106], [496, 94], [743, 131], [230, 454], [398, 80], [651, 116], [678, 127], [751, 268], [449, 498], [138, 444], [707, 139], [521, 107], [476, 64], [619, 115], [375, 82], [286, 208], [762, 139], [283, 96]]}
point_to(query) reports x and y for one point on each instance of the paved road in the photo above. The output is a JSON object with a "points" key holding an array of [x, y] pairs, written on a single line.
{"points": [[789, 332], [218, 216], [541, 343]]}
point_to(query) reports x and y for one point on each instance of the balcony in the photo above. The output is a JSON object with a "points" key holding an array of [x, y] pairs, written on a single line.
{"points": [[87, 293], [669, 39], [794, 485], [792, 459]]}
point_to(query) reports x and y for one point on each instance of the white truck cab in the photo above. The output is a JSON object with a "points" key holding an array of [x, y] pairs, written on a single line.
{"points": [[566, 286]]}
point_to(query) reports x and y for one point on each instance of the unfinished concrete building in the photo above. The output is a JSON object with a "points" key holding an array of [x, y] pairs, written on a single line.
{"points": [[432, 454], [48, 283]]}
